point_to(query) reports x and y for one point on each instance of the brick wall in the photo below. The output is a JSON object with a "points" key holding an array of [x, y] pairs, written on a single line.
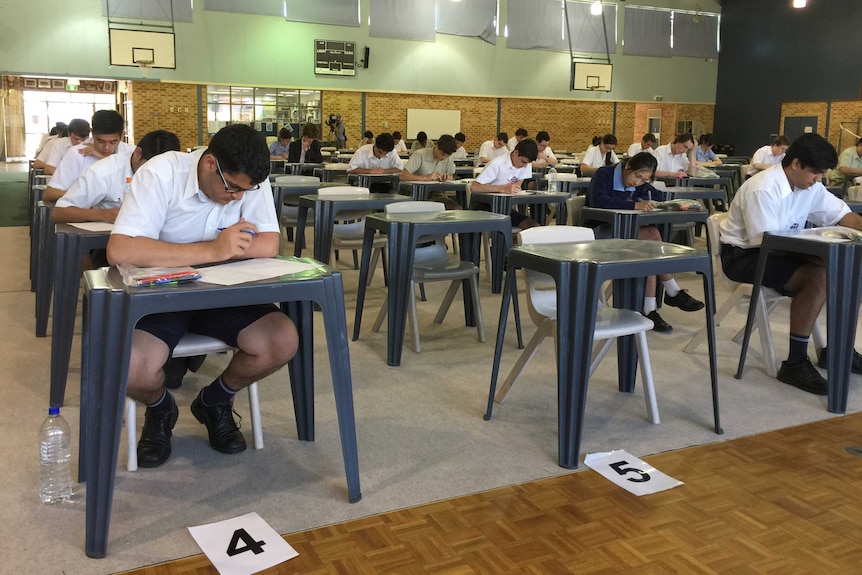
{"points": [[165, 106], [571, 123], [349, 105], [625, 130], [701, 116], [848, 112]]}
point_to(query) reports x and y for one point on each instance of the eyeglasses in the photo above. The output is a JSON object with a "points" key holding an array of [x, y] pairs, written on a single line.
{"points": [[232, 189]]}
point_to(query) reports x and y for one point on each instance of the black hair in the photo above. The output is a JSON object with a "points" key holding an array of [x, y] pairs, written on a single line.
{"points": [[706, 139], [386, 142], [683, 138], [422, 137], [285, 134], [396, 135], [58, 127], [461, 137], [543, 136], [158, 141], [649, 137], [79, 127], [309, 131], [859, 141], [781, 140], [609, 140], [521, 132], [812, 151], [641, 161], [597, 140], [503, 137], [240, 149], [446, 144], [108, 122], [527, 148], [368, 134]]}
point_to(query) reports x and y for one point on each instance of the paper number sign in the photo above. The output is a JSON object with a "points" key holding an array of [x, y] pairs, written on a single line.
{"points": [[629, 472], [242, 545]]}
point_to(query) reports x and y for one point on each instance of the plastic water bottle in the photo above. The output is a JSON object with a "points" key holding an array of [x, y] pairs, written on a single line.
{"points": [[55, 457], [552, 179]]}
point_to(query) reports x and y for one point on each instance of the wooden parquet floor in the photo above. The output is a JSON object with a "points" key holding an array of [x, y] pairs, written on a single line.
{"points": [[785, 502]]}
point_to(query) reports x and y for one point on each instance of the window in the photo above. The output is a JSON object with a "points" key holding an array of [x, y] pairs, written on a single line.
{"points": [[43, 109], [267, 109]]}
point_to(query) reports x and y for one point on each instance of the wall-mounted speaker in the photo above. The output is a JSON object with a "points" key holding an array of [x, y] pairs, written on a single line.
{"points": [[367, 54]]}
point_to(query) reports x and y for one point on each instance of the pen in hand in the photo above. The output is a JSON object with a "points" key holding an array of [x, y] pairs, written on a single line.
{"points": [[248, 231]]}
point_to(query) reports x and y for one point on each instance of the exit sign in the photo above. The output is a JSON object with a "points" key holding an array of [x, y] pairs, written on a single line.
{"points": [[72, 87]]}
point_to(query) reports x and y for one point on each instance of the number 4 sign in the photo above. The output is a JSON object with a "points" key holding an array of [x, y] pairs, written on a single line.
{"points": [[242, 545], [630, 473]]}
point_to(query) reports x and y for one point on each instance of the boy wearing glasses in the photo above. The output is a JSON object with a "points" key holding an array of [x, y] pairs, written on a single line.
{"points": [[172, 216]]}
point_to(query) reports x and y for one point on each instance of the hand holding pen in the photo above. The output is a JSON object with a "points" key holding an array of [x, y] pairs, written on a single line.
{"points": [[233, 241]]}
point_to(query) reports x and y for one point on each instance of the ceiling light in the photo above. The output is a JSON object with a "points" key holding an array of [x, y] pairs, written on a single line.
{"points": [[799, 3], [596, 8]]}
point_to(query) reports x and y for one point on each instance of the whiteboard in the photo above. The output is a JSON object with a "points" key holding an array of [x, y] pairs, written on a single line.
{"points": [[435, 123]]}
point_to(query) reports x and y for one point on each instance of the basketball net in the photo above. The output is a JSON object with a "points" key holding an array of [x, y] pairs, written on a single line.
{"points": [[145, 66]]}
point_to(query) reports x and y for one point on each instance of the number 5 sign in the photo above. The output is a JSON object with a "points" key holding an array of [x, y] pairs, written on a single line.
{"points": [[629, 472], [242, 545]]}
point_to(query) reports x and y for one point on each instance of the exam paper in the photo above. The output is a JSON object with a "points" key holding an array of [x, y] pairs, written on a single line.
{"points": [[252, 270], [94, 226]]}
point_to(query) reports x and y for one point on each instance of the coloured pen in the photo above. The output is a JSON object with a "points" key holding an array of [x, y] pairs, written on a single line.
{"points": [[252, 232]]}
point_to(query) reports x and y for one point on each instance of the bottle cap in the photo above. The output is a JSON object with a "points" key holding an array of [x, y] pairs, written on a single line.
{"points": [[54, 410]]}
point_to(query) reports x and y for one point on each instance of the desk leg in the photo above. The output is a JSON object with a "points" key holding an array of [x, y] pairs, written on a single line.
{"points": [[324, 221], [469, 250], [367, 241], [709, 301], [628, 294], [752, 307], [301, 368], [402, 242], [842, 309], [104, 391], [301, 220], [44, 270], [339, 364], [67, 269], [501, 336]]}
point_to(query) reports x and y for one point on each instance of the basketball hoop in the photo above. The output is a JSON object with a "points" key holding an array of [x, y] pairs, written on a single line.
{"points": [[597, 90], [145, 66]]}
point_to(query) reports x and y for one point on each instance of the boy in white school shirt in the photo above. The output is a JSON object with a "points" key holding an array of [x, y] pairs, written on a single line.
{"points": [[505, 174], [645, 145], [676, 160], [77, 132], [767, 156], [495, 148]]}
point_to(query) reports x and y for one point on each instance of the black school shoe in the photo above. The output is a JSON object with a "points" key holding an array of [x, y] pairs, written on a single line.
{"points": [[683, 301], [224, 433], [855, 367], [803, 375], [659, 324], [154, 447]]}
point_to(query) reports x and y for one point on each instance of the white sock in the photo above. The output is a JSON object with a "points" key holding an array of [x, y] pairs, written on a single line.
{"points": [[649, 305], [670, 287]]}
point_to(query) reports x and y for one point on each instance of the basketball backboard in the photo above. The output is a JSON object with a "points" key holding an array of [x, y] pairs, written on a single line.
{"points": [[594, 77], [131, 47]]}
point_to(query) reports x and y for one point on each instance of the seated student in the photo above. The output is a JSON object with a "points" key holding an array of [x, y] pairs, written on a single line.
{"points": [[400, 146], [495, 148], [306, 150], [433, 164], [785, 197], [53, 134], [545, 156], [767, 156], [367, 138], [627, 186], [278, 149], [520, 134], [76, 133], [601, 155], [460, 152], [420, 142], [504, 175], [377, 158], [108, 128], [849, 165], [676, 160], [703, 152], [172, 215], [645, 145]]}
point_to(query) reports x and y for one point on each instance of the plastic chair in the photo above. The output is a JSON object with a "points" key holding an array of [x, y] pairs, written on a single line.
{"points": [[574, 205], [349, 229], [290, 211], [431, 263], [738, 292], [190, 345], [610, 323]]}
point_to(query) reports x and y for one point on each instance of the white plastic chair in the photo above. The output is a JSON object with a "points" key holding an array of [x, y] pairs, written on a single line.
{"points": [[290, 211], [740, 292], [190, 345], [433, 263], [349, 228], [610, 323]]}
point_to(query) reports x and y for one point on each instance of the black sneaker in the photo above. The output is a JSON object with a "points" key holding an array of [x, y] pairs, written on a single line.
{"points": [[224, 433], [683, 301], [175, 370], [659, 324], [154, 447], [855, 367], [803, 375]]}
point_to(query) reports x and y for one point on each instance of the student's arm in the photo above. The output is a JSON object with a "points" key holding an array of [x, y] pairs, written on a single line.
{"points": [[587, 169], [52, 194], [71, 214], [49, 169], [843, 163], [508, 188], [692, 163], [757, 160], [38, 165], [851, 220]]}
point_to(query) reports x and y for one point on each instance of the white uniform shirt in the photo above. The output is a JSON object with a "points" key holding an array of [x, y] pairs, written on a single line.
{"points": [[513, 141], [763, 156], [100, 186], [166, 203], [670, 162], [595, 159], [767, 203], [459, 153], [364, 158], [400, 146], [501, 171], [54, 151], [74, 163], [637, 149], [488, 151]]}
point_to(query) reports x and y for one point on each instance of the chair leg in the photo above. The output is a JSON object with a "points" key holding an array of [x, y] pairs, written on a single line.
{"points": [[542, 331], [646, 376], [722, 312], [422, 292], [381, 315], [414, 319], [447, 301], [375, 255], [356, 259], [477, 305], [131, 434], [254, 408], [486, 248], [599, 353]]}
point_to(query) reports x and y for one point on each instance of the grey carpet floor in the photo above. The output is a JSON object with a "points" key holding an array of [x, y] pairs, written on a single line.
{"points": [[420, 429]]}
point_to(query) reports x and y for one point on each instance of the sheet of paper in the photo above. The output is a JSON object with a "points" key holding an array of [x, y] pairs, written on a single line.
{"points": [[629, 472], [242, 545], [94, 226], [252, 270]]}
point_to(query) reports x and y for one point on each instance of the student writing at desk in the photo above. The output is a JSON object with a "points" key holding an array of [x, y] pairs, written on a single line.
{"points": [[505, 174], [171, 217], [433, 165], [628, 186], [306, 150]]}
